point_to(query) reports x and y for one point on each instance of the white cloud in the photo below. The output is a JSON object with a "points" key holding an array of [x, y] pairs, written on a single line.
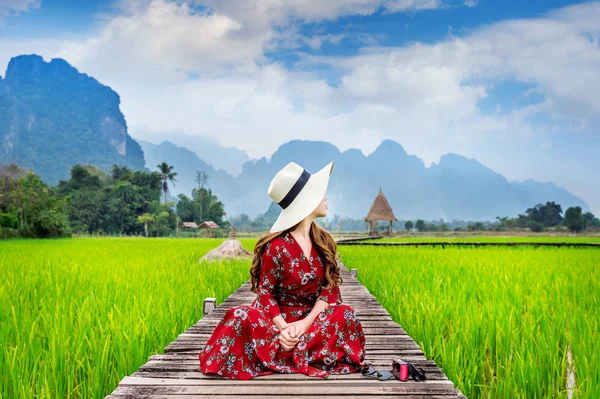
{"points": [[165, 41], [267, 12], [408, 5], [315, 42], [13, 7]]}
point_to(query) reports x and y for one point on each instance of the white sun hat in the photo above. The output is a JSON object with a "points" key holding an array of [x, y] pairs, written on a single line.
{"points": [[298, 193]]}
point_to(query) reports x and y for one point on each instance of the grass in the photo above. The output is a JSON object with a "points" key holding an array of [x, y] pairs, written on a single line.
{"points": [[497, 320], [79, 315]]}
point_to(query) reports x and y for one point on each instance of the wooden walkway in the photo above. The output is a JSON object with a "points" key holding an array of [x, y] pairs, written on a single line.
{"points": [[444, 244], [175, 374]]}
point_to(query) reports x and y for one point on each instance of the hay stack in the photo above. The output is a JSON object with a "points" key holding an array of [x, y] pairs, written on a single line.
{"points": [[231, 248]]}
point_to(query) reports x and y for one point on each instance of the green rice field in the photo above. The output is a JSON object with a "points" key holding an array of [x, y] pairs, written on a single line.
{"points": [[492, 239], [497, 320], [77, 315]]}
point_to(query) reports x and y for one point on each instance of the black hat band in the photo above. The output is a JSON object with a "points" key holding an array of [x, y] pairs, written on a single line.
{"points": [[295, 190]]}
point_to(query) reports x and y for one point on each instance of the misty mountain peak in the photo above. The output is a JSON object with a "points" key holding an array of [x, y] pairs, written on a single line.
{"points": [[389, 147], [460, 163], [308, 153], [392, 156]]}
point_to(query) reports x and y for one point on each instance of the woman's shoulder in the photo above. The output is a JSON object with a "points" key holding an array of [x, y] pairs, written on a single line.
{"points": [[280, 240], [275, 243]]}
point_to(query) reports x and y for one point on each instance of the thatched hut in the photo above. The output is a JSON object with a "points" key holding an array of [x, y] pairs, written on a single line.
{"points": [[189, 225], [208, 226], [380, 210]]}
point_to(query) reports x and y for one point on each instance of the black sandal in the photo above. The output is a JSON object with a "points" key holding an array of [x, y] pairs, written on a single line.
{"points": [[371, 372], [417, 376]]}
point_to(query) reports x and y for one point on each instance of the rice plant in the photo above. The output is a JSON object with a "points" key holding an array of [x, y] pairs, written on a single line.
{"points": [[497, 320], [77, 315]]}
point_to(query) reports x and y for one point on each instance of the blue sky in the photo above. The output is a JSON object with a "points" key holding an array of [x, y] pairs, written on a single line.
{"points": [[511, 83]]}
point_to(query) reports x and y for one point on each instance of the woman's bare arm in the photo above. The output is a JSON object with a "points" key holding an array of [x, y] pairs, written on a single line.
{"points": [[279, 322]]}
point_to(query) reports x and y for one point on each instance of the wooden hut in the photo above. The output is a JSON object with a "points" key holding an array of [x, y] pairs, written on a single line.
{"points": [[208, 226], [380, 210], [189, 225]]}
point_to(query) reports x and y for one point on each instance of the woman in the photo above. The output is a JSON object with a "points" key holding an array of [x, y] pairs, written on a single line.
{"points": [[297, 323]]}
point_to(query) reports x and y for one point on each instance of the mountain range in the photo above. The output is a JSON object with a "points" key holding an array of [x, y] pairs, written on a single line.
{"points": [[53, 117], [455, 188]]}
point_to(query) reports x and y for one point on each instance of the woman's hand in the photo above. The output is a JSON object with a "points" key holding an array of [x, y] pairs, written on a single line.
{"points": [[285, 338], [300, 327]]}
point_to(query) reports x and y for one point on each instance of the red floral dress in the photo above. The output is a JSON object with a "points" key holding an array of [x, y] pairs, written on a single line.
{"points": [[245, 343]]}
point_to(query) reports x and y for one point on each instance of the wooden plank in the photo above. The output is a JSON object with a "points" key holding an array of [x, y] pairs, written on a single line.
{"points": [[267, 381], [268, 386], [254, 395]]}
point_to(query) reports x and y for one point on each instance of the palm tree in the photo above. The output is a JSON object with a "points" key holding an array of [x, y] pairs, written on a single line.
{"points": [[166, 175]]}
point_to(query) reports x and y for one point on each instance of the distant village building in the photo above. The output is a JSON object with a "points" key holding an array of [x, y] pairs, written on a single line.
{"points": [[189, 225], [380, 210], [208, 226]]}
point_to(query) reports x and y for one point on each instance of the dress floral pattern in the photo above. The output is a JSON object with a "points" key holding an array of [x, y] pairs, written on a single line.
{"points": [[245, 343]]}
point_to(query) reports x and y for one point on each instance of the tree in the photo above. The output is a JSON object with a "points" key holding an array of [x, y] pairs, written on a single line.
{"points": [[420, 225], [82, 178], [551, 214], [214, 209], [145, 219], [536, 227], [120, 173], [591, 220], [186, 209], [97, 201], [573, 219], [29, 207], [478, 226], [408, 225], [201, 178], [85, 210], [162, 225], [547, 215], [166, 175], [50, 223]]}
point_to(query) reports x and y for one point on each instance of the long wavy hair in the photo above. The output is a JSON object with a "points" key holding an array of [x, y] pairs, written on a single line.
{"points": [[324, 244]]}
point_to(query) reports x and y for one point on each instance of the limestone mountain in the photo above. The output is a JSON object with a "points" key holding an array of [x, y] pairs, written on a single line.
{"points": [[53, 117]]}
